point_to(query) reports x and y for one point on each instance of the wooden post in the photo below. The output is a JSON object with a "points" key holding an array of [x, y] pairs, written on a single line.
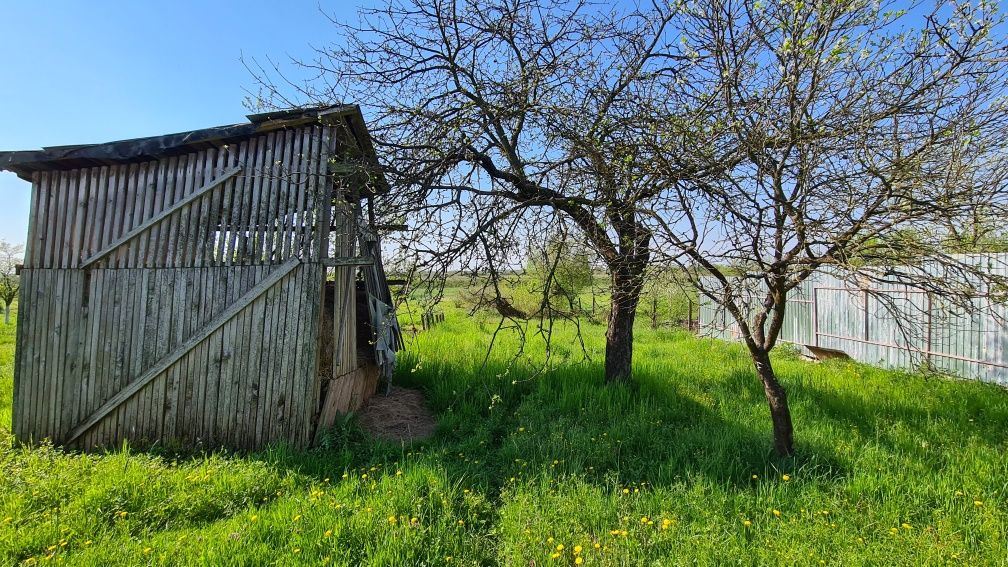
{"points": [[815, 316], [866, 315]]}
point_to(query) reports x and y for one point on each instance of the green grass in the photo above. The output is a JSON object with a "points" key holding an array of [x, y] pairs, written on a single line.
{"points": [[673, 469]]}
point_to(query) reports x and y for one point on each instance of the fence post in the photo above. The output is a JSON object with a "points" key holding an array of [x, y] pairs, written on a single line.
{"points": [[866, 315], [815, 316], [927, 349]]}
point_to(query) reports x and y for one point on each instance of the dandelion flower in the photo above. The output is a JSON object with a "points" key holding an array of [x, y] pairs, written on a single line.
{"points": [[554, 555], [746, 523], [755, 476], [549, 540], [578, 560], [560, 547], [597, 545], [906, 526], [391, 519], [577, 550], [328, 533], [626, 491], [461, 523], [644, 520], [978, 503], [786, 477], [776, 513], [147, 551]]}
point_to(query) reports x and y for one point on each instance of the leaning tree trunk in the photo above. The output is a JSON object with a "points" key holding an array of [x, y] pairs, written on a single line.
{"points": [[776, 397], [626, 290]]}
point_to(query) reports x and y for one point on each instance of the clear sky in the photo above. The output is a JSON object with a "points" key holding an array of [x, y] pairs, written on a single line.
{"points": [[76, 72]]}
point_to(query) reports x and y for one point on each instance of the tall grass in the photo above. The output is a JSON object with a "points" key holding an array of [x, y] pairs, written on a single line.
{"points": [[545, 467]]}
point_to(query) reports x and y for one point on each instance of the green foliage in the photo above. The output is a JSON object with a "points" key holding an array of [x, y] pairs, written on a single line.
{"points": [[675, 469]]}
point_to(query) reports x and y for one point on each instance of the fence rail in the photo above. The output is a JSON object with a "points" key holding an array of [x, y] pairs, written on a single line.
{"points": [[896, 327]]}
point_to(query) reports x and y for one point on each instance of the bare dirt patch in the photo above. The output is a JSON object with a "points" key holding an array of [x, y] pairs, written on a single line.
{"points": [[402, 415]]}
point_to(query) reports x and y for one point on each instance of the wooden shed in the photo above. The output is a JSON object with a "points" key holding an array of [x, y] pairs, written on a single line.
{"points": [[220, 287]]}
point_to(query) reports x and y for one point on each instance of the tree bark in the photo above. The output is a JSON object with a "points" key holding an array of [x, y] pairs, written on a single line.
{"points": [[626, 290], [780, 413], [7, 313]]}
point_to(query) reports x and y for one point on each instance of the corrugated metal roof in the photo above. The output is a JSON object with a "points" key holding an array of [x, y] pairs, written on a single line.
{"points": [[24, 163]]}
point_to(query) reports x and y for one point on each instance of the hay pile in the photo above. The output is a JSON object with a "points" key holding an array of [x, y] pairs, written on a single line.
{"points": [[402, 415]]}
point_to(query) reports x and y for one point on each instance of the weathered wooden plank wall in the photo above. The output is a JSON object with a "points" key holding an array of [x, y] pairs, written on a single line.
{"points": [[99, 309]]}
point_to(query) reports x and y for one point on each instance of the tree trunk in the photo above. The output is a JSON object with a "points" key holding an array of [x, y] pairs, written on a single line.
{"points": [[626, 290], [7, 313], [780, 413]]}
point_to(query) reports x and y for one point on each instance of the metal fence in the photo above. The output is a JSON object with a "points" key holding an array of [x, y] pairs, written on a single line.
{"points": [[895, 327]]}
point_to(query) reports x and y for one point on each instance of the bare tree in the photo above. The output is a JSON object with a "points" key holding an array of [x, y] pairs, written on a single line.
{"points": [[501, 121], [846, 135], [747, 143], [10, 257]]}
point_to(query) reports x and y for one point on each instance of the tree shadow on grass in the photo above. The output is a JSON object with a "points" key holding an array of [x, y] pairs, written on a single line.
{"points": [[901, 420], [569, 422]]}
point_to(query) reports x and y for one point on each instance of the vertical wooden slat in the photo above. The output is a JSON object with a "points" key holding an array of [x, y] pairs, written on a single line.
{"points": [[200, 212], [259, 191], [86, 182], [38, 301], [289, 193], [68, 211], [183, 367], [291, 332], [310, 349], [70, 384], [132, 209], [23, 361], [256, 392], [267, 350], [228, 353], [96, 313], [244, 188], [273, 198], [33, 210], [177, 222], [55, 221], [229, 194], [306, 196], [161, 189]]}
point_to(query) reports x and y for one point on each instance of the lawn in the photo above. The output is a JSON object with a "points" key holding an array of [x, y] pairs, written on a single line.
{"points": [[554, 468]]}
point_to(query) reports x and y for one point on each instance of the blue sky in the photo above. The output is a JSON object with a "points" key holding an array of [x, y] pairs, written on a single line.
{"points": [[74, 72]]}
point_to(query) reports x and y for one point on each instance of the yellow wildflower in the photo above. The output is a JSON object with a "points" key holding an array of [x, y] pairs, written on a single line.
{"points": [[776, 513], [578, 560], [786, 477], [746, 523], [577, 550]]}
